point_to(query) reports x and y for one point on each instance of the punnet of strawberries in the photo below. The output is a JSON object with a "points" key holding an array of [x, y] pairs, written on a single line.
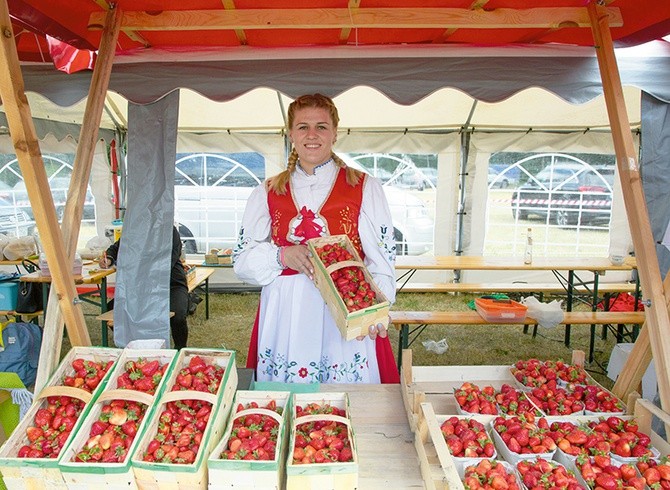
{"points": [[112, 434], [254, 435], [542, 474], [511, 401], [600, 471], [522, 435], [321, 441], [656, 473], [534, 372], [467, 438], [490, 474], [53, 424], [473, 399], [182, 423], [350, 282]]}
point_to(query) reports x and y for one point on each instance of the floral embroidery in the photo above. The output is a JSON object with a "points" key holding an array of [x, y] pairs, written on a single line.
{"points": [[277, 367], [241, 244], [276, 215], [347, 221], [387, 243]]}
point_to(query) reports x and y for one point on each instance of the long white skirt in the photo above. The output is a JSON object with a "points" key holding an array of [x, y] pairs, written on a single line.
{"points": [[298, 341]]}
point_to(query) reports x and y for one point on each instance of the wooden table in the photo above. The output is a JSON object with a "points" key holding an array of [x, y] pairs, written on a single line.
{"points": [[201, 278], [557, 265], [387, 456], [90, 274]]}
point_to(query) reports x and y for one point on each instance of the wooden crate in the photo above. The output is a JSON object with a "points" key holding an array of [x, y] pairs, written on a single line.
{"points": [[356, 323], [165, 476], [44, 474], [82, 476], [252, 475], [436, 384], [332, 476]]}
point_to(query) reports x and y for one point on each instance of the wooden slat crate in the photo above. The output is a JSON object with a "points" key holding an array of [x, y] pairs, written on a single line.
{"points": [[37, 473], [356, 323], [252, 475], [82, 476], [332, 476], [165, 476]]}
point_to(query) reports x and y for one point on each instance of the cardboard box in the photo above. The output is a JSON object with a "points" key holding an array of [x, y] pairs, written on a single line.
{"points": [[253, 474], [350, 324]]}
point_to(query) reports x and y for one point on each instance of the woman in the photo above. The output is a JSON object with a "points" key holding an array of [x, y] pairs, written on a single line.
{"points": [[295, 338]]}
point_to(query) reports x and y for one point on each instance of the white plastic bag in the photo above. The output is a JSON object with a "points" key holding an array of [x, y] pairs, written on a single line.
{"points": [[20, 248], [439, 347], [548, 315]]}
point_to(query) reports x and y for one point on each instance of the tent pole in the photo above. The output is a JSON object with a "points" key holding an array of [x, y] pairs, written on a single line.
{"points": [[26, 145], [658, 320], [76, 196]]}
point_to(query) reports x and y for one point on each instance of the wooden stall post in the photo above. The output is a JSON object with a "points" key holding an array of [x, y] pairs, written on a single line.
{"points": [[26, 145], [76, 196], [658, 320]]}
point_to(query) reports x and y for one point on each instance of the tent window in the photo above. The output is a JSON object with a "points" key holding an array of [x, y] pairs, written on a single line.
{"points": [[565, 198], [14, 196], [410, 184], [211, 191]]}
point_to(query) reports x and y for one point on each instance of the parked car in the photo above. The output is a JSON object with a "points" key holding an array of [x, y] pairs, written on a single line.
{"points": [[59, 186], [567, 194], [210, 216], [14, 222], [496, 180]]}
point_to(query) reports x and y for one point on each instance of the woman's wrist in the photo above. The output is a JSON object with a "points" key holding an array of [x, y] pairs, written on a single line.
{"points": [[280, 257]]}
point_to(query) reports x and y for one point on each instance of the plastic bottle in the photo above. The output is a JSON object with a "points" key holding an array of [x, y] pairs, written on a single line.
{"points": [[528, 254]]}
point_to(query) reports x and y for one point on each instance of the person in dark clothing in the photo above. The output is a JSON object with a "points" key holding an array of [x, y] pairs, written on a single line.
{"points": [[178, 288]]}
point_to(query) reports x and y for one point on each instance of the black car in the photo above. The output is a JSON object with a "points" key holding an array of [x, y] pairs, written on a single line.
{"points": [[567, 194]]}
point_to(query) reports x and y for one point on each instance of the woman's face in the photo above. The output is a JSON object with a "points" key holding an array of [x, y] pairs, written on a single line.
{"points": [[312, 134]]}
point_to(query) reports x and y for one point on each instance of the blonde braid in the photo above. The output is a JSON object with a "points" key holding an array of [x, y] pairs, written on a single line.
{"points": [[279, 182], [353, 175]]}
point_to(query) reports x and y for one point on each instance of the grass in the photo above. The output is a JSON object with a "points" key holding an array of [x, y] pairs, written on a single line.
{"points": [[232, 316]]}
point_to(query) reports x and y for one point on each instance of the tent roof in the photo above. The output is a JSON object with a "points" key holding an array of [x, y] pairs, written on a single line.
{"points": [[189, 25]]}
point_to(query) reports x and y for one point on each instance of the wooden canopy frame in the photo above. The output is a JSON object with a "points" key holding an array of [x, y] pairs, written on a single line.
{"points": [[654, 339]]}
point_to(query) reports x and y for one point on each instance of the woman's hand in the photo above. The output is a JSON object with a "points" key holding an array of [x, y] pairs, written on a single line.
{"points": [[104, 262], [375, 330], [297, 257]]}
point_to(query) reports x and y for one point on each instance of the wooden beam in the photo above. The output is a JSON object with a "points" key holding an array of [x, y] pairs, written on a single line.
{"points": [[658, 319], [24, 138], [132, 35], [388, 18], [476, 5], [76, 195]]}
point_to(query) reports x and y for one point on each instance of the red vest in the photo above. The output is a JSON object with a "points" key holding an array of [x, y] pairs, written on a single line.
{"points": [[338, 215]]}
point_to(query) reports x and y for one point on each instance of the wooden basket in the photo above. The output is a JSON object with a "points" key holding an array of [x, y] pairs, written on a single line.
{"points": [[356, 323], [44, 474], [252, 475], [333, 476], [165, 476], [82, 476]]}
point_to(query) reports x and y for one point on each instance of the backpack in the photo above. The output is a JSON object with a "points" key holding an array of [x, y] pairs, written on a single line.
{"points": [[20, 352]]}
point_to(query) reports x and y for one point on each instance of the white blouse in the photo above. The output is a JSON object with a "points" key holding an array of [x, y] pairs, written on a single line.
{"points": [[255, 256]]}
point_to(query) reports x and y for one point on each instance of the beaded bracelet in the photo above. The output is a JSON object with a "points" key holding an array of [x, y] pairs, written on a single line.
{"points": [[280, 257]]}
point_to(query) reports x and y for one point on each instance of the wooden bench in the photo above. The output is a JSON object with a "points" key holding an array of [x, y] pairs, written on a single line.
{"points": [[403, 319], [513, 287]]}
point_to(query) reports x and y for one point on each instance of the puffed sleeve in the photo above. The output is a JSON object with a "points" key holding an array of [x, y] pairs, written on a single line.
{"points": [[255, 257], [375, 226]]}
